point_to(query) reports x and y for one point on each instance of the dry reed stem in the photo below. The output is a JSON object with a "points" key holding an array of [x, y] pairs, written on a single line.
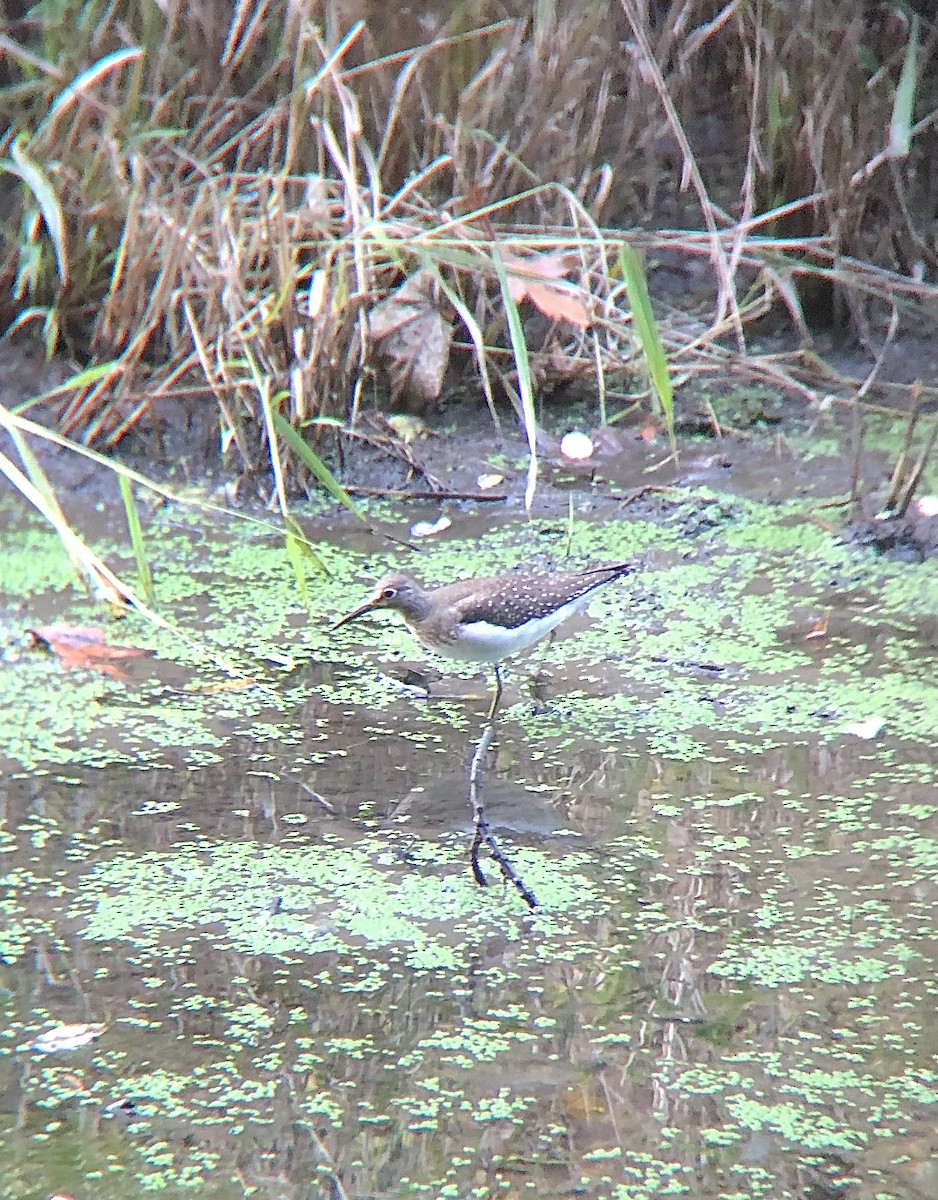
{"points": [[307, 177]]}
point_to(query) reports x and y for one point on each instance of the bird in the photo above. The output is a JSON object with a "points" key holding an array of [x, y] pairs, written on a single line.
{"points": [[486, 620]]}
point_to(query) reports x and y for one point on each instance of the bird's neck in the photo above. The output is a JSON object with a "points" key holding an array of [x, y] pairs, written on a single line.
{"points": [[414, 607]]}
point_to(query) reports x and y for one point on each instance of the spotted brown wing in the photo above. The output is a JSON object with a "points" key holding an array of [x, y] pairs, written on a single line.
{"points": [[514, 599]]}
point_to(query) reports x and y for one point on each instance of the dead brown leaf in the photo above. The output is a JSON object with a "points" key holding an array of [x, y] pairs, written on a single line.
{"points": [[229, 685], [83, 648], [413, 339], [533, 278]]}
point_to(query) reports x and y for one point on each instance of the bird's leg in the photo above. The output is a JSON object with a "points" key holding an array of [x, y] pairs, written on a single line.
{"points": [[482, 833], [496, 698]]}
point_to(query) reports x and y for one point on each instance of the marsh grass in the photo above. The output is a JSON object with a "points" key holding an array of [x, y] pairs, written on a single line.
{"points": [[213, 196]]}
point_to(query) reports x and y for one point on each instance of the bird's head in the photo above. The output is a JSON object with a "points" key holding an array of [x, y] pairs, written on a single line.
{"points": [[395, 591]]}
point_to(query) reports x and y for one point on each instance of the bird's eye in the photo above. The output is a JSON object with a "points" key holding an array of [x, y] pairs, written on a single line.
{"points": [[389, 593]]}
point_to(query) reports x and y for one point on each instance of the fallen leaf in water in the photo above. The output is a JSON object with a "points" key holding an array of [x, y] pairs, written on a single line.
{"points": [[423, 529], [817, 630], [237, 685], [73, 1080], [67, 1037], [485, 483], [83, 648], [533, 278], [871, 728], [406, 426], [582, 1102], [412, 338]]}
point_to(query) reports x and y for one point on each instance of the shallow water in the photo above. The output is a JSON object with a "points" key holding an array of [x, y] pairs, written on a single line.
{"points": [[261, 890]]}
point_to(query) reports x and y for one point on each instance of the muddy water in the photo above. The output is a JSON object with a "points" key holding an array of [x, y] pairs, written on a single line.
{"points": [[252, 884]]}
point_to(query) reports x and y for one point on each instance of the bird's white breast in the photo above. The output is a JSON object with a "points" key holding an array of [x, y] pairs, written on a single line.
{"points": [[481, 641]]}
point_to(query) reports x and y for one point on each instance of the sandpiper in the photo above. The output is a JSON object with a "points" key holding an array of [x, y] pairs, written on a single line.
{"points": [[487, 620]]}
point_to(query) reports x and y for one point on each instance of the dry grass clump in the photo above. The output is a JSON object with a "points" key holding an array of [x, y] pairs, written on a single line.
{"points": [[832, 94], [273, 205]]}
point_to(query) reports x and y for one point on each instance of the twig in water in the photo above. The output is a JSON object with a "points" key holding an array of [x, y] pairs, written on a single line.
{"points": [[903, 483], [482, 833], [320, 800], [403, 494], [915, 476], [859, 420], [646, 490]]}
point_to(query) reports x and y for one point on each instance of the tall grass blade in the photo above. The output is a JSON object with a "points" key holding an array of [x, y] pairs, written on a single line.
{"points": [[314, 463], [19, 163], [295, 542], [74, 383], [299, 552], [903, 104], [273, 446], [525, 387], [633, 274], [34, 471], [262, 385], [102, 578], [105, 582], [85, 80], [134, 528], [16, 424], [475, 333]]}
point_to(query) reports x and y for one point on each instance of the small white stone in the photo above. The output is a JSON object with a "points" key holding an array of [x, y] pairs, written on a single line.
{"points": [[576, 446]]}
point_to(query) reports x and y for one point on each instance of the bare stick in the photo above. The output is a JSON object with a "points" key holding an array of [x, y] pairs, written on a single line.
{"points": [[402, 494], [859, 420], [915, 477], [481, 831], [479, 823]]}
